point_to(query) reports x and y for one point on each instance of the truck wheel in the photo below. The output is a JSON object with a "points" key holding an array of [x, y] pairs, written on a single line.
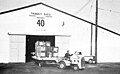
{"points": [[90, 61], [36, 62], [39, 65], [75, 67], [42, 63], [62, 65]]}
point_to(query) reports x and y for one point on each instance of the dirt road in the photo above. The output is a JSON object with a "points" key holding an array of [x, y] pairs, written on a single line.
{"points": [[31, 68]]}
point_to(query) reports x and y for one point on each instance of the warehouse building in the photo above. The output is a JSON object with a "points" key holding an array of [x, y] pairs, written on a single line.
{"points": [[20, 28]]}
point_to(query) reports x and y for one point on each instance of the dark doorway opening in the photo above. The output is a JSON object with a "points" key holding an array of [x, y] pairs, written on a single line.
{"points": [[30, 44]]}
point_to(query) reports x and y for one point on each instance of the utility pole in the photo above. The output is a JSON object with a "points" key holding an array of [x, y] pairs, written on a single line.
{"points": [[91, 40], [96, 31]]}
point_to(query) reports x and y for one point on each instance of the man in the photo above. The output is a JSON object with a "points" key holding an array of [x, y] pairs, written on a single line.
{"points": [[67, 55]]}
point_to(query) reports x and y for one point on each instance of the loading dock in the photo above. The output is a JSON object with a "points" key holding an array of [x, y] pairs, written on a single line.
{"points": [[30, 43], [22, 45]]}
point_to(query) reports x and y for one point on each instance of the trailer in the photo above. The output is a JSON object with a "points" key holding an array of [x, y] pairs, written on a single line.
{"points": [[45, 53]]}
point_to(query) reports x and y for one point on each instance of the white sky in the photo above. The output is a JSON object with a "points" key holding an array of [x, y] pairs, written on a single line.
{"points": [[110, 20]]}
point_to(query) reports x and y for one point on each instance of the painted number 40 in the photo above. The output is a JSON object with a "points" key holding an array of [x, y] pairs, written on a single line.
{"points": [[41, 23]]}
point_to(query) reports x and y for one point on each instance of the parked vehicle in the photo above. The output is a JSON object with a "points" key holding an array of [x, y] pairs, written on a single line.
{"points": [[89, 59]]}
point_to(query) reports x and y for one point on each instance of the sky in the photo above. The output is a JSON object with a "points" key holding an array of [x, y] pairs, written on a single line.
{"points": [[108, 12]]}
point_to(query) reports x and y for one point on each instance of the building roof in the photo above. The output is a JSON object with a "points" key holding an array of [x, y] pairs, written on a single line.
{"points": [[40, 3]]}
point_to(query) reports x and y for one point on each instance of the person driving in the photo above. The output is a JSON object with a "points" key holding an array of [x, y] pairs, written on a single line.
{"points": [[67, 55]]}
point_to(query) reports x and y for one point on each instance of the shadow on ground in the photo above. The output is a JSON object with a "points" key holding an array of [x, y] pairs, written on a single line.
{"points": [[32, 68]]}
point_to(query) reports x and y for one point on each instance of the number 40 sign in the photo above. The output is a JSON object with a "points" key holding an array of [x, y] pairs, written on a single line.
{"points": [[41, 22]]}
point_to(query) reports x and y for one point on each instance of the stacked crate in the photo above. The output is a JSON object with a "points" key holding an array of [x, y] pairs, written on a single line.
{"points": [[55, 51], [40, 49], [44, 49]]}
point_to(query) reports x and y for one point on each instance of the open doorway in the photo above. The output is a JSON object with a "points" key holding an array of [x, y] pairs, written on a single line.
{"points": [[30, 44]]}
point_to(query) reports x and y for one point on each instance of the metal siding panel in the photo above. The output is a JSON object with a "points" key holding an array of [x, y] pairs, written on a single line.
{"points": [[63, 43], [17, 48]]}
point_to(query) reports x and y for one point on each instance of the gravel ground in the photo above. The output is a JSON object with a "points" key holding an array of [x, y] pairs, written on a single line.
{"points": [[31, 68]]}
